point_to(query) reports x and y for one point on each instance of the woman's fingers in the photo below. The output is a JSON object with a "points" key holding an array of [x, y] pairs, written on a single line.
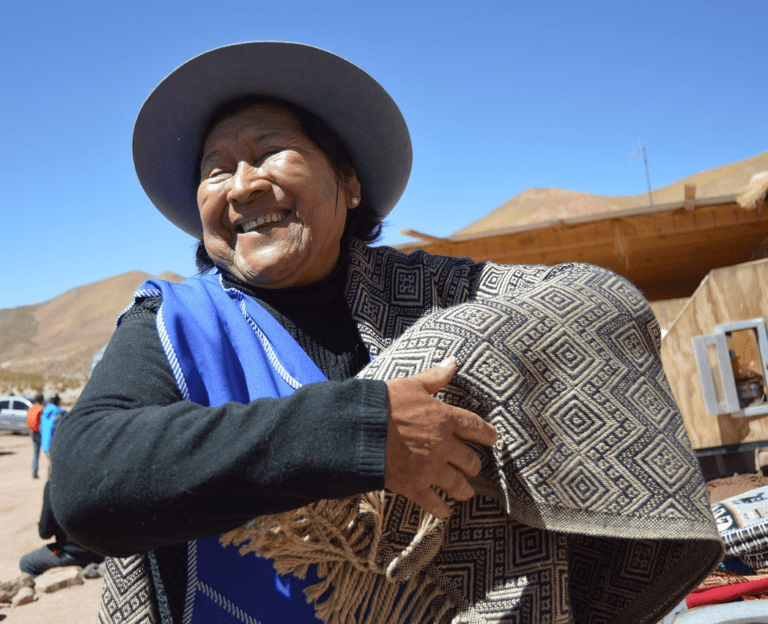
{"points": [[464, 459], [425, 446], [469, 426], [453, 482], [430, 501]]}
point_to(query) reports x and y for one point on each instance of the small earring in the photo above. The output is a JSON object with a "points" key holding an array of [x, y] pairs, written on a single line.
{"points": [[355, 200]]}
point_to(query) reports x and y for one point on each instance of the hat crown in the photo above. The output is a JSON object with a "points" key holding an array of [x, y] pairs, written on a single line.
{"points": [[170, 127]]}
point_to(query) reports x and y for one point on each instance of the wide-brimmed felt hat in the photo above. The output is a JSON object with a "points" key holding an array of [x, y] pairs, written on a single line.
{"points": [[169, 129]]}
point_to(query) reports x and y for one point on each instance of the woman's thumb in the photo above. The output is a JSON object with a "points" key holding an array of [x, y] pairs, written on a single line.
{"points": [[439, 375]]}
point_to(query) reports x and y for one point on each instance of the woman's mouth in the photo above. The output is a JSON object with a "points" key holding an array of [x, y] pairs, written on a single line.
{"points": [[261, 222]]}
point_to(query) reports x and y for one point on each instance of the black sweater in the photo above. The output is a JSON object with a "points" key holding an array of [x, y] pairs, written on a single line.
{"points": [[48, 527], [136, 468]]}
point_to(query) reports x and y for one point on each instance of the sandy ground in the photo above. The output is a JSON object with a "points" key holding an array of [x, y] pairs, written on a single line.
{"points": [[21, 499]]}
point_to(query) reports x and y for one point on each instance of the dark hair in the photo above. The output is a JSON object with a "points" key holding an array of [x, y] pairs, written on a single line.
{"points": [[362, 223]]}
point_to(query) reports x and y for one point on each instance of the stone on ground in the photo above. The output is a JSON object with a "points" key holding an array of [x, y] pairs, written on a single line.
{"points": [[24, 596], [58, 578]]}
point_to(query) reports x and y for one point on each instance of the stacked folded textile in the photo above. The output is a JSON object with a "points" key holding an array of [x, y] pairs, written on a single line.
{"points": [[724, 586], [742, 521]]}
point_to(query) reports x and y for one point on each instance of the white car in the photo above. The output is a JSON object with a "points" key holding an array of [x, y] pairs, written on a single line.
{"points": [[13, 414]]}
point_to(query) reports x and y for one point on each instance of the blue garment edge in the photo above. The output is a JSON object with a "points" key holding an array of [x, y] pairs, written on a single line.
{"points": [[231, 349]]}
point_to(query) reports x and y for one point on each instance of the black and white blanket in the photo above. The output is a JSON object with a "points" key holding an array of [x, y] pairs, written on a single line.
{"points": [[591, 507]]}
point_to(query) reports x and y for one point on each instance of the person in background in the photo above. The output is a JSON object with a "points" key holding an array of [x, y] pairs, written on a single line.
{"points": [[62, 552], [49, 419], [33, 423]]}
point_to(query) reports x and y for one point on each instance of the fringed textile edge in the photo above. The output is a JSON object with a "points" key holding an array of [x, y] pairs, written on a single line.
{"points": [[344, 537]]}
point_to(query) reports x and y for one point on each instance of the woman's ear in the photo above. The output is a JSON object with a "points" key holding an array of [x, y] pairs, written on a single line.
{"points": [[352, 191]]}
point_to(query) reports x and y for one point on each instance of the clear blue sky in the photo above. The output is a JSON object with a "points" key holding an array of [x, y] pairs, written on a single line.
{"points": [[499, 96]]}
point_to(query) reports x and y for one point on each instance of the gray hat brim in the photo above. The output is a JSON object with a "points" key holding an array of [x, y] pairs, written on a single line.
{"points": [[169, 129]]}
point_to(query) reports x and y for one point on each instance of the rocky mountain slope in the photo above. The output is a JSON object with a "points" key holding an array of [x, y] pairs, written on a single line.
{"points": [[539, 205], [54, 342]]}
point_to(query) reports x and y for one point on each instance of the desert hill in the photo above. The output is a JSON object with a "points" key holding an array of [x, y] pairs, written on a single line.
{"points": [[51, 344], [539, 205]]}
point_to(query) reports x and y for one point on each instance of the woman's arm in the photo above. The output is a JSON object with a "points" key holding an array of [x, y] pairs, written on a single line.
{"points": [[47, 527], [135, 467]]}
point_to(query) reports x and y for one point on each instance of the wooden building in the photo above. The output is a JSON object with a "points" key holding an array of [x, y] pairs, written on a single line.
{"points": [[665, 250], [697, 259], [727, 295]]}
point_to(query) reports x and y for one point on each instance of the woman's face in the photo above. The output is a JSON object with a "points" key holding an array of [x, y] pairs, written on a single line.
{"points": [[273, 209]]}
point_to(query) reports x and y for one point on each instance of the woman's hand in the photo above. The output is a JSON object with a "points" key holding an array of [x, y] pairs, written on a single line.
{"points": [[424, 441]]}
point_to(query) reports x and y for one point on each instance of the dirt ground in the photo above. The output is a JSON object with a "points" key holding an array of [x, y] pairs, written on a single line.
{"points": [[21, 499]]}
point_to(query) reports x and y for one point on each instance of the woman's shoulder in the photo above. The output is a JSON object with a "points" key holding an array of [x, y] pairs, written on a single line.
{"points": [[148, 297], [142, 308]]}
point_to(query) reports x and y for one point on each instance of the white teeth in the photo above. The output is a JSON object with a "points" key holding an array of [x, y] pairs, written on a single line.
{"points": [[272, 217]]}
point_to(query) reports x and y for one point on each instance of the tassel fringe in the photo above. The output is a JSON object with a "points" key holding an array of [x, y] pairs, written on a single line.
{"points": [[363, 579]]}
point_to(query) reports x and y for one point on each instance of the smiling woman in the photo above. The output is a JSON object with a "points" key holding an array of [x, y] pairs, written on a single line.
{"points": [[272, 207], [317, 430]]}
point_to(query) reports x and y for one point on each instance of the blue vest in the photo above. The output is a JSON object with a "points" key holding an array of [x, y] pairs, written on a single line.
{"points": [[231, 349], [49, 417]]}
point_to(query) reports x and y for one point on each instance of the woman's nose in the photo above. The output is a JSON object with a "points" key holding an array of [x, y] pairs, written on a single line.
{"points": [[246, 183]]}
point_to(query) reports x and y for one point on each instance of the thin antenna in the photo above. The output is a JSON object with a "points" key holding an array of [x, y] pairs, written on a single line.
{"points": [[640, 149]]}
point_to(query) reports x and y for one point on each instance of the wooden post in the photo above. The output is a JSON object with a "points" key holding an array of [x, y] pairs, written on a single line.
{"points": [[425, 237], [689, 203]]}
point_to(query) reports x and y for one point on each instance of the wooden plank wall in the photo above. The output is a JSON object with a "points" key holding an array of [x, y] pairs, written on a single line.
{"points": [[730, 294], [667, 310], [664, 253]]}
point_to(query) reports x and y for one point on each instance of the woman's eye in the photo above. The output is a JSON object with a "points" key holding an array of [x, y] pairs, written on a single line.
{"points": [[213, 172], [267, 154]]}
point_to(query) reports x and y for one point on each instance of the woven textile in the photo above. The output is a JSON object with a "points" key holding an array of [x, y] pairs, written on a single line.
{"points": [[743, 524], [591, 508], [721, 578], [751, 590], [127, 592]]}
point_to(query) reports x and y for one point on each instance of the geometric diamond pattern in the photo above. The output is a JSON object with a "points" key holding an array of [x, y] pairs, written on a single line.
{"points": [[664, 462], [577, 422], [590, 508], [408, 286], [560, 302], [529, 546], [564, 361], [490, 366], [127, 592], [650, 400], [584, 489], [630, 342], [564, 351]]}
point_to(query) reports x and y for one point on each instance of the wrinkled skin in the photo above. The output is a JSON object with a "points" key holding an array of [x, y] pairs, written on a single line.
{"points": [[424, 441], [256, 164]]}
